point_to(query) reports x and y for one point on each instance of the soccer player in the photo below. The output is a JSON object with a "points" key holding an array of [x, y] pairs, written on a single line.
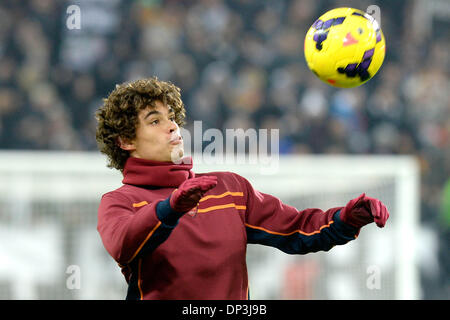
{"points": [[148, 224]]}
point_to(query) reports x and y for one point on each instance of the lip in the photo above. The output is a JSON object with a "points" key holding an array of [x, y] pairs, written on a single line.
{"points": [[176, 140]]}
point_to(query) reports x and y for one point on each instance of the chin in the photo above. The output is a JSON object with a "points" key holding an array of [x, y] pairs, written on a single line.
{"points": [[177, 154]]}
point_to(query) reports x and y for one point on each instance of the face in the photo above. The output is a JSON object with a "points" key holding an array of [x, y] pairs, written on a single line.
{"points": [[158, 136]]}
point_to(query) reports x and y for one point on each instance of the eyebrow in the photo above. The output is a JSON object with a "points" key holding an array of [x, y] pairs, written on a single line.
{"points": [[157, 112], [151, 112]]}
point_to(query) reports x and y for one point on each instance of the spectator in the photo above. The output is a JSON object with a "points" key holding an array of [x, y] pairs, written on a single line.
{"points": [[239, 63]]}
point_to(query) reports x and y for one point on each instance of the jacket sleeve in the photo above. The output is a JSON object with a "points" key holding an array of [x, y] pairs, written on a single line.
{"points": [[270, 222], [128, 231]]}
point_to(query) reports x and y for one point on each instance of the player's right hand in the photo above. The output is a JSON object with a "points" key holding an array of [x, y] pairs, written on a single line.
{"points": [[189, 193]]}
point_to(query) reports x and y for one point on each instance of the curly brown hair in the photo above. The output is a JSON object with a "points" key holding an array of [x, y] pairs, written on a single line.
{"points": [[118, 117]]}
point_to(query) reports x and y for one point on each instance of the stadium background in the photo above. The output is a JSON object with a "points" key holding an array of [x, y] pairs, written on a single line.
{"points": [[239, 64]]}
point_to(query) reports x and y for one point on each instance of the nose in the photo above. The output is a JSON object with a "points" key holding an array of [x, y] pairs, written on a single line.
{"points": [[173, 126]]}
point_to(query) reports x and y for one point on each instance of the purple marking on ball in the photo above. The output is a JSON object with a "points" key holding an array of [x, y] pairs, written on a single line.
{"points": [[319, 37], [359, 14], [365, 64], [351, 67], [318, 24], [378, 35], [368, 54], [339, 20], [328, 24], [323, 36], [364, 75]]}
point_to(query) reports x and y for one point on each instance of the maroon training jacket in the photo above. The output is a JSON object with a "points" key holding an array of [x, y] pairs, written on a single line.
{"points": [[202, 257]]}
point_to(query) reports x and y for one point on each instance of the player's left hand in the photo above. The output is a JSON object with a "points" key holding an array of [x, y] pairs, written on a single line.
{"points": [[364, 210]]}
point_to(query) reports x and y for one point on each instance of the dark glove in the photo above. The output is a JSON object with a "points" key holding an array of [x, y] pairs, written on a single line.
{"points": [[184, 198], [364, 210], [190, 192]]}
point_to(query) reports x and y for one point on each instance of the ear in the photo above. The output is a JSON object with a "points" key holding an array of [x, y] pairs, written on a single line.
{"points": [[125, 144]]}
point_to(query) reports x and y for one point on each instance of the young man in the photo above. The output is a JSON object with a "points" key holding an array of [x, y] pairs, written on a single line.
{"points": [[165, 253]]}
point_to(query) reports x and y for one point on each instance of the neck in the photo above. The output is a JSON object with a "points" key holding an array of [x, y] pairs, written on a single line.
{"points": [[143, 172]]}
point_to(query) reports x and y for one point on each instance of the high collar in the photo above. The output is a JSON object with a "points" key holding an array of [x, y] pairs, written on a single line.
{"points": [[142, 172]]}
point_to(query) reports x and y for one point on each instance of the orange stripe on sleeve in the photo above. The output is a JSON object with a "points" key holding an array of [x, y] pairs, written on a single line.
{"points": [[218, 196], [140, 279], [291, 233], [140, 204], [143, 243], [223, 206]]}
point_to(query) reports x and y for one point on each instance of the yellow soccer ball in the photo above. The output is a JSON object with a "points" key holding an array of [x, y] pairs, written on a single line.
{"points": [[345, 47]]}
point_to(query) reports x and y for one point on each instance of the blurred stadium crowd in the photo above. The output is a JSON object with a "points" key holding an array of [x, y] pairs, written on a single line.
{"points": [[239, 64]]}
